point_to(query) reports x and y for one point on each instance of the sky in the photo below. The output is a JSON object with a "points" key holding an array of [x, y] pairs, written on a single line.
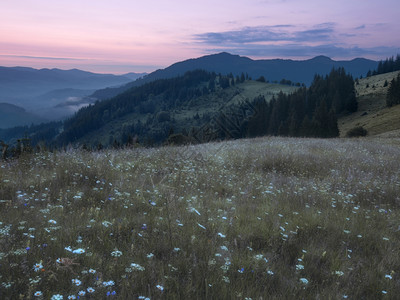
{"points": [[122, 36]]}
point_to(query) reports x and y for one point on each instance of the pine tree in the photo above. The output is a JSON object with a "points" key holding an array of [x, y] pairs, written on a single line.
{"points": [[306, 127], [333, 129], [324, 122], [393, 94], [257, 125]]}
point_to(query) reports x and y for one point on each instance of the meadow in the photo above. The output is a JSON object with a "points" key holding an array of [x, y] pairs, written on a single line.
{"points": [[265, 218]]}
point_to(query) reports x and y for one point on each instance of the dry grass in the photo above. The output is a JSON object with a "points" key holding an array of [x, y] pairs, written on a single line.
{"points": [[267, 218]]}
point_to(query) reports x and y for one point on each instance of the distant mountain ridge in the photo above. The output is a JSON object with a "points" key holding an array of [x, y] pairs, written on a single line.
{"points": [[302, 71], [12, 115], [17, 82], [41, 90], [134, 76]]}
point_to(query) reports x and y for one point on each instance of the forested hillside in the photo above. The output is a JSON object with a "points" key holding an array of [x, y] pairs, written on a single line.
{"points": [[305, 112], [308, 112], [152, 99], [200, 107]]}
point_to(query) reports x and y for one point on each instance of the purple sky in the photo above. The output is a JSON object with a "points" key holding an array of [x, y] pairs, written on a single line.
{"points": [[123, 36]]}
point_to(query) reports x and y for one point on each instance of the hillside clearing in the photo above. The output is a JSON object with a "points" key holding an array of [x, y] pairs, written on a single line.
{"points": [[372, 112]]}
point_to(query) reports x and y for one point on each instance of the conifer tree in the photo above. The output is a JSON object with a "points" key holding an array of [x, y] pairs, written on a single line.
{"points": [[393, 95]]}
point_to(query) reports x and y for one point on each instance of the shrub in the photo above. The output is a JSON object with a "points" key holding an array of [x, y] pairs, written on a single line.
{"points": [[357, 132], [261, 79], [163, 116]]}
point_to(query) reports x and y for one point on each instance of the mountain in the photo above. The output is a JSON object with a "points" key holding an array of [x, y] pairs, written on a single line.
{"points": [[41, 90], [274, 70], [20, 82], [12, 115], [133, 76]]}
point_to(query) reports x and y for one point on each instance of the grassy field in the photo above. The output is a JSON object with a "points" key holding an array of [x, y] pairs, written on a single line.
{"points": [[267, 218]]}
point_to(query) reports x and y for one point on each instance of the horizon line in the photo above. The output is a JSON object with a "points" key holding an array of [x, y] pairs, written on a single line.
{"points": [[90, 70]]}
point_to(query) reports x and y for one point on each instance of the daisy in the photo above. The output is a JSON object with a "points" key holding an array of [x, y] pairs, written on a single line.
{"points": [[77, 282], [37, 267], [108, 283], [304, 280], [160, 287], [137, 267], [79, 251], [116, 253]]}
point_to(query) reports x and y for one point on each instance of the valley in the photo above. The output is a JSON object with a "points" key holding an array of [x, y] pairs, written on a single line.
{"points": [[48, 94]]}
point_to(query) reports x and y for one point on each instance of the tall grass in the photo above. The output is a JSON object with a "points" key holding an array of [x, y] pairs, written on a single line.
{"points": [[267, 218]]}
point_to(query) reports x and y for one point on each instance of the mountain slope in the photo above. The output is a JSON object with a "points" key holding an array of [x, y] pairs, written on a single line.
{"points": [[372, 113], [155, 110], [133, 76], [11, 116], [196, 114], [271, 69]]}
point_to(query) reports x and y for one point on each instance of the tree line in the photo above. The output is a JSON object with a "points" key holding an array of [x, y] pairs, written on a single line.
{"points": [[308, 112], [386, 66]]}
